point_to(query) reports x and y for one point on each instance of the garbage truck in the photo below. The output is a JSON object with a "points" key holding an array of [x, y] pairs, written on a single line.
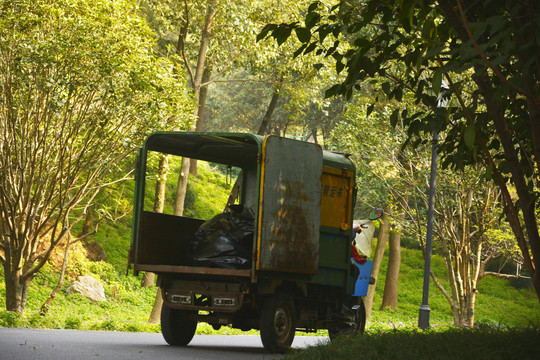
{"points": [[293, 271]]}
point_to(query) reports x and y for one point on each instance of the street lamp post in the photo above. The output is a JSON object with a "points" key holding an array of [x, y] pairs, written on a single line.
{"points": [[423, 316]]}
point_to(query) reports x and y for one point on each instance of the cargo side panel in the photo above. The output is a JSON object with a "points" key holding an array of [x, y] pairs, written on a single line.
{"points": [[164, 239], [337, 198], [336, 233], [289, 208]]}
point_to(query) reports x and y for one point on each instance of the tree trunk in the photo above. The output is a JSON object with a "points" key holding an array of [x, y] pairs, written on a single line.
{"points": [[314, 135], [87, 222], [159, 203], [14, 285], [13, 291], [390, 297], [377, 259], [155, 315], [262, 130], [181, 187], [47, 304], [526, 201], [196, 83], [203, 93], [161, 184], [16, 293], [269, 111], [148, 279], [496, 114]]}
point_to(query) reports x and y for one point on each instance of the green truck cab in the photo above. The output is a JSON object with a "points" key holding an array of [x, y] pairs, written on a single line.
{"points": [[300, 276]]}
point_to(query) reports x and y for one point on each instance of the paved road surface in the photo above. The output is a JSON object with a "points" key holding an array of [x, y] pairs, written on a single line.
{"points": [[39, 344]]}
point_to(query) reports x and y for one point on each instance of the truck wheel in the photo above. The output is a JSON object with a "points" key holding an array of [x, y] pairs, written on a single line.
{"points": [[177, 326], [277, 323], [351, 321]]}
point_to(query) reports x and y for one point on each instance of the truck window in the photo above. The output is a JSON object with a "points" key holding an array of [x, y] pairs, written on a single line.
{"points": [[213, 183]]}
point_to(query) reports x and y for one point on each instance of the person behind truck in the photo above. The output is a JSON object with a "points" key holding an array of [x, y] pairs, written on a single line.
{"points": [[359, 258], [367, 228]]}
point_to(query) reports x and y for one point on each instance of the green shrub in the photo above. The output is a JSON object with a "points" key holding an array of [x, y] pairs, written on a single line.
{"points": [[72, 323], [10, 319]]}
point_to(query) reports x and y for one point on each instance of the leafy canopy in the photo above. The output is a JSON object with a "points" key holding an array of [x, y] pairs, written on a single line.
{"points": [[489, 56], [79, 88]]}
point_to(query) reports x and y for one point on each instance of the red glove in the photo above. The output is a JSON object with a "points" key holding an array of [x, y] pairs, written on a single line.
{"points": [[356, 256]]}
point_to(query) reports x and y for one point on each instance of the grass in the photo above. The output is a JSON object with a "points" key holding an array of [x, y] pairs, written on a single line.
{"points": [[451, 343], [498, 302], [129, 305]]}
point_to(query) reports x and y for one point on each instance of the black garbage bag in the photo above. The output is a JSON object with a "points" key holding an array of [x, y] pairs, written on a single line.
{"points": [[225, 241]]}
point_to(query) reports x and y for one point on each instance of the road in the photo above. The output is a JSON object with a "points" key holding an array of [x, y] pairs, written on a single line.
{"points": [[40, 344]]}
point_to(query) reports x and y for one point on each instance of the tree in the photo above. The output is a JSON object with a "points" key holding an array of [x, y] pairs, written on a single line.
{"points": [[382, 239], [490, 44], [390, 295], [467, 210], [467, 214], [80, 86], [209, 22], [149, 278], [159, 204], [198, 90], [375, 146]]}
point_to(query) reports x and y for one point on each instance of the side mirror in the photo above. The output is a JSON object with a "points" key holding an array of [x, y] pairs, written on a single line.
{"points": [[375, 214]]}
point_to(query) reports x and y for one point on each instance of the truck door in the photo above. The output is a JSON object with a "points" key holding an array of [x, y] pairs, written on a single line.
{"points": [[289, 206]]}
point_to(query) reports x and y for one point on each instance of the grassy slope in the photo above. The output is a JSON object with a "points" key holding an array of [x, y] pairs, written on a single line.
{"points": [[129, 305], [497, 303]]}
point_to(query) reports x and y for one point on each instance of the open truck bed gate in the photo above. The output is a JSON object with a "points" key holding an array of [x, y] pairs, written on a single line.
{"points": [[302, 198]]}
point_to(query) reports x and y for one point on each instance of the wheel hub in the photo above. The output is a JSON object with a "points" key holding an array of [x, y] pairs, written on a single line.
{"points": [[281, 322]]}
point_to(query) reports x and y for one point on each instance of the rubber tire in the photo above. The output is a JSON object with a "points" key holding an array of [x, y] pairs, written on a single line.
{"points": [[277, 323], [360, 322], [176, 326], [361, 318]]}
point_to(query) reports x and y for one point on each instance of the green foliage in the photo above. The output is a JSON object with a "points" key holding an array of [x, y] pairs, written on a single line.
{"points": [[128, 305], [249, 73], [485, 343], [484, 55], [90, 52], [10, 319], [80, 86], [206, 195]]}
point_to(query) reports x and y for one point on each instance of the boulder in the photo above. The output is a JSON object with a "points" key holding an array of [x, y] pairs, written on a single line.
{"points": [[89, 287]]}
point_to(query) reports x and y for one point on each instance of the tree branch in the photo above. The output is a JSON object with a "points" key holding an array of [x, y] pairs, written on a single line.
{"points": [[533, 33], [240, 81], [488, 63], [499, 275], [181, 44], [443, 290]]}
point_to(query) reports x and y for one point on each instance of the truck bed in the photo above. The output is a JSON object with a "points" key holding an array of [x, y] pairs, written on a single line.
{"points": [[163, 248], [192, 270]]}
